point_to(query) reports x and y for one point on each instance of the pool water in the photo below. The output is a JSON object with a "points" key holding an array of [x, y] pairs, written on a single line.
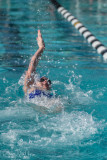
{"points": [[72, 125]]}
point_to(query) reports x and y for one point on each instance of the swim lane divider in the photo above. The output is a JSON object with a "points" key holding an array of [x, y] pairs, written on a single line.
{"points": [[96, 44]]}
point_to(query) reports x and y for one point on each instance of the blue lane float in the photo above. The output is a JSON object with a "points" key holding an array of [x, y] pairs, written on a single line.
{"points": [[96, 44]]}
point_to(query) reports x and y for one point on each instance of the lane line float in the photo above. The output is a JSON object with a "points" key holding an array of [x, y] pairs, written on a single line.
{"points": [[96, 44]]}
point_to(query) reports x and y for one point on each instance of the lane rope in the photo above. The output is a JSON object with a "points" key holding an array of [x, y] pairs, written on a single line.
{"points": [[96, 44]]}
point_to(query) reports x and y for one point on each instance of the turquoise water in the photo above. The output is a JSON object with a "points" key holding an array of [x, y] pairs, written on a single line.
{"points": [[34, 131]]}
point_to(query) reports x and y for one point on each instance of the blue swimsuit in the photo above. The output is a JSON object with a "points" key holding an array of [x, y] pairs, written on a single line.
{"points": [[39, 93]]}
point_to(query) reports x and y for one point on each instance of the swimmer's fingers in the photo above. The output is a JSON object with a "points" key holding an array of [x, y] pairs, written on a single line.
{"points": [[40, 40], [39, 34]]}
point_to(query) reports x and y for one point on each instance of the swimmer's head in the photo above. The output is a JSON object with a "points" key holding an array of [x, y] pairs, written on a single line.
{"points": [[45, 82]]}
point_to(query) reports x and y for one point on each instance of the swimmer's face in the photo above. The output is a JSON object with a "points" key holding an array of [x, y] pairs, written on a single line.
{"points": [[46, 83]]}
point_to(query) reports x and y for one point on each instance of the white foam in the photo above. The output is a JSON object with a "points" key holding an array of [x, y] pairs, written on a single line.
{"points": [[45, 105], [21, 80], [11, 135], [79, 96], [66, 128]]}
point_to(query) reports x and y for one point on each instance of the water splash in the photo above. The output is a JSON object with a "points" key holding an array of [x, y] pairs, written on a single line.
{"points": [[78, 95], [64, 129]]}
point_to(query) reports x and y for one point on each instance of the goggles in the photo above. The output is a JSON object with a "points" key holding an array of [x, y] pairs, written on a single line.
{"points": [[44, 78]]}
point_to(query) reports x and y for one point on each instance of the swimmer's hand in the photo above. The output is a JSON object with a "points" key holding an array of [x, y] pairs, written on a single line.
{"points": [[40, 41]]}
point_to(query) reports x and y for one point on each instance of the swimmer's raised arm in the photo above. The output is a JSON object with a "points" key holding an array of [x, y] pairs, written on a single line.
{"points": [[34, 62], [35, 58]]}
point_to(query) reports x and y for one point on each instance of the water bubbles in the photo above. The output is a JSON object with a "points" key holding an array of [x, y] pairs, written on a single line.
{"points": [[78, 95], [45, 105], [5, 80], [65, 129], [25, 61], [21, 80], [80, 76], [9, 136], [20, 142], [100, 92], [38, 10]]}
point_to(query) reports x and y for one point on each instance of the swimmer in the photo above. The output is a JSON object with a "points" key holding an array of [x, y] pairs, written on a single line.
{"points": [[43, 84]]}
